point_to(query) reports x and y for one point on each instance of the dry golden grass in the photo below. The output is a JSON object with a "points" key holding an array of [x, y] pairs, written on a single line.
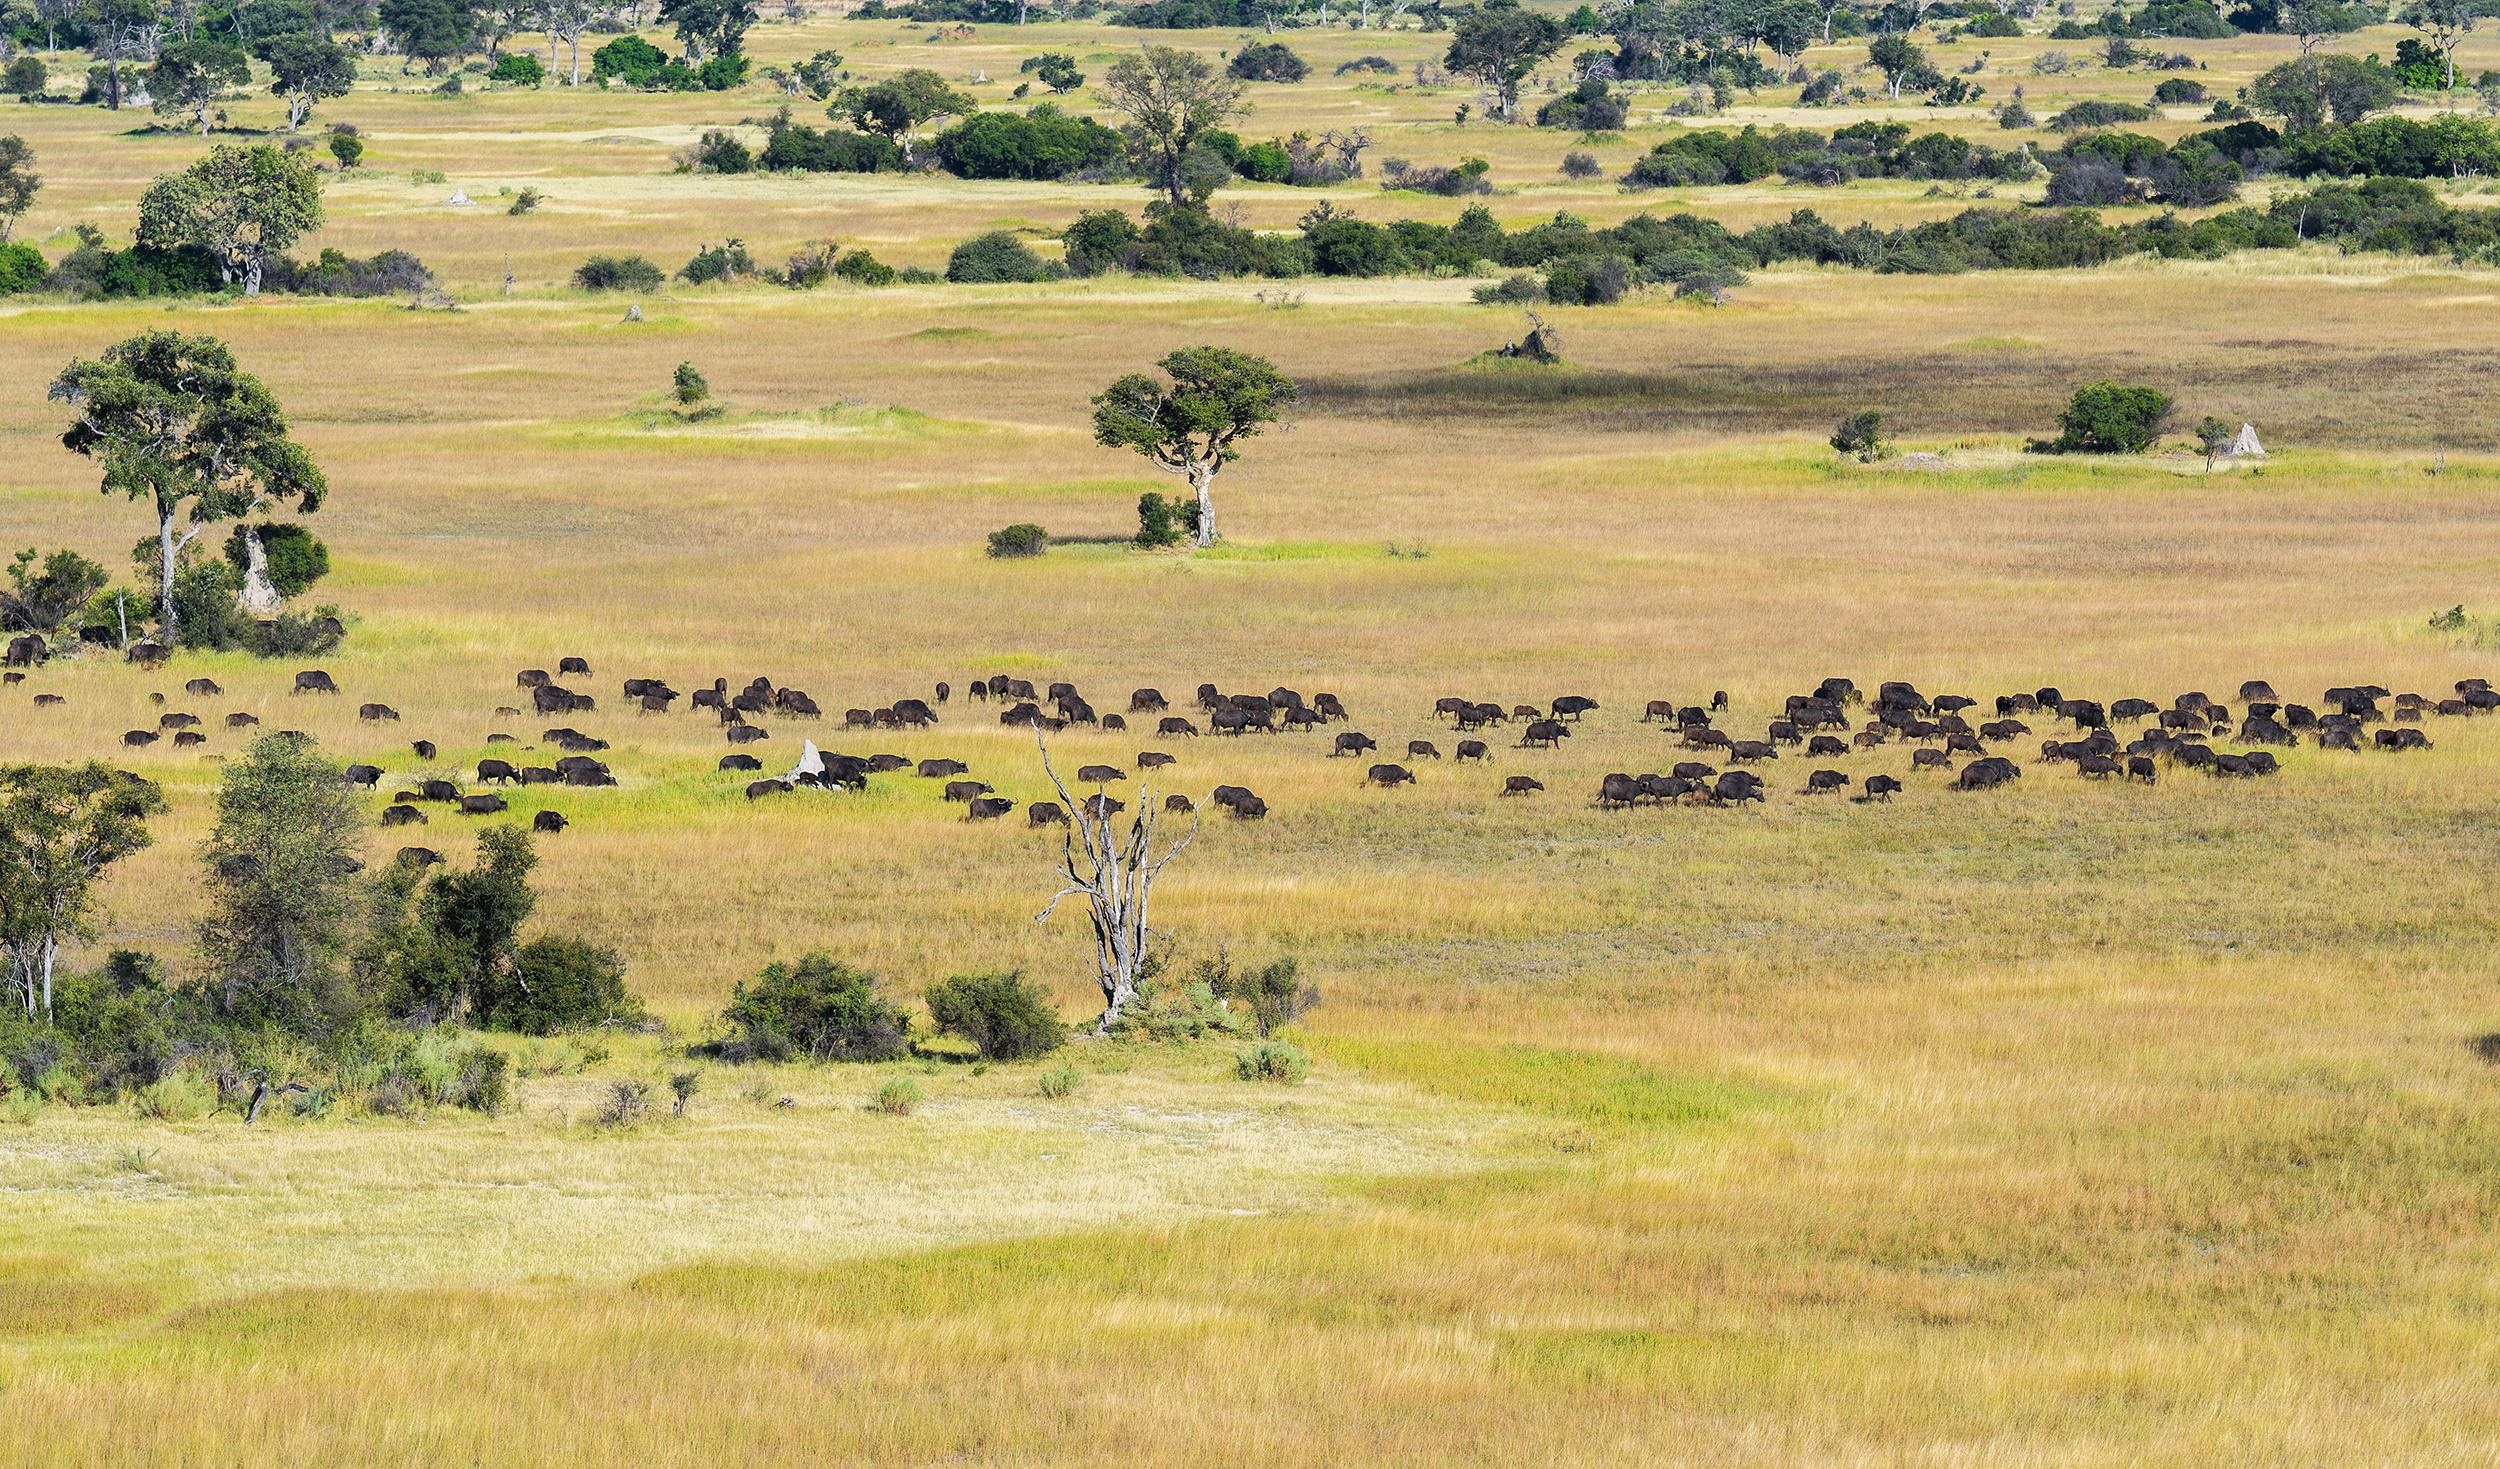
{"points": [[2065, 1125]]}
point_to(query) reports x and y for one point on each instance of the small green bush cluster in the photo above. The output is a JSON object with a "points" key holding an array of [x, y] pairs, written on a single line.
{"points": [[1275, 1061], [618, 273], [2106, 418], [1005, 1016], [1021, 539], [816, 1009]]}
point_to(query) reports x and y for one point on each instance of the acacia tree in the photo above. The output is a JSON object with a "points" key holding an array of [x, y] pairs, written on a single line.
{"points": [[174, 421], [60, 828], [305, 69], [2444, 23], [1171, 99], [716, 27], [189, 77], [901, 104], [1115, 875], [1498, 44], [241, 205], [1897, 57], [429, 31], [1195, 426]]}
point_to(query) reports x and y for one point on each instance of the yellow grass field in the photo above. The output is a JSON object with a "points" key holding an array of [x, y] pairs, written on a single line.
{"points": [[2079, 1123]]}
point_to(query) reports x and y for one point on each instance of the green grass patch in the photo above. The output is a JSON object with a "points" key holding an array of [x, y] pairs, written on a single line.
{"points": [[950, 334], [1577, 1086]]}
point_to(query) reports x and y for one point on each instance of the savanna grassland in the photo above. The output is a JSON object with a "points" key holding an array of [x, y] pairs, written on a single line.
{"points": [[2077, 1123]]}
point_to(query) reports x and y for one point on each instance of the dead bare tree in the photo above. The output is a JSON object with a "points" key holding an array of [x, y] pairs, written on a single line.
{"points": [[1115, 874]]}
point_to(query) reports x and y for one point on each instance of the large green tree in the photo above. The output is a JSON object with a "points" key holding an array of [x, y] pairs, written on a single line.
{"points": [[173, 421], [1499, 44], [708, 27], [306, 69], [61, 827], [2444, 23], [429, 32], [1171, 99], [189, 77], [280, 875], [2310, 92], [901, 104], [118, 32], [241, 205], [18, 182], [1194, 424]]}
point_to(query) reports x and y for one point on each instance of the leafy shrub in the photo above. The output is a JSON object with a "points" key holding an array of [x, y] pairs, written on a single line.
{"points": [[519, 68], [25, 77], [618, 273], [1591, 107], [525, 202], [1268, 61], [719, 151], [1021, 539], [994, 258], [897, 1098], [556, 984], [296, 556], [2098, 114], [627, 1104], [630, 60], [2105, 418], [1521, 289], [347, 148], [1042, 144], [797, 147], [1461, 179], [22, 268], [43, 595], [861, 268], [688, 385], [2179, 92], [1581, 166], [482, 1080], [1274, 993], [1861, 436], [177, 1096], [1376, 65], [1991, 25], [819, 1008], [335, 273], [1056, 1082], [1004, 1015], [724, 262], [1161, 522], [1277, 1061]]}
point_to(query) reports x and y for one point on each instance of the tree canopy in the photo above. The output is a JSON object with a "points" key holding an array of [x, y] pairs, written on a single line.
{"points": [[60, 828], [241, 205], [306, 69], [1194, 425], [1172, 99], [1499, 44]]}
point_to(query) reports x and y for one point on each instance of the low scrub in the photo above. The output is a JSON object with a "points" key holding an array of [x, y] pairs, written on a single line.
{"points": [[817, 1009]]}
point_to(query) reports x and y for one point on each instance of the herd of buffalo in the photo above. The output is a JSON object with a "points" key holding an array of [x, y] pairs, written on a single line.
{"points": [[1833, 721]]}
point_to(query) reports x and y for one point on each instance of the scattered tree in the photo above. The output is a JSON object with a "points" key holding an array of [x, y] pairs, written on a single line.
{"points": [[117, 31], [1499, 43], [1005, 1016], [428, 32], [1172, 100], [689, 386], [280, 867], [60, 828], [171, 419], [2444, 23], [1194, 427], [241, 205], [189, 77], [1861, 436], [708, 27], [19, 183], [2215, 438], [1898, 58], [306, 69], [898, 107], [2105, 418]]}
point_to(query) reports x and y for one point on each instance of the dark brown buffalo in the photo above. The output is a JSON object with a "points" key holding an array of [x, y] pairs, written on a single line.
{"points": [[1827, 745], [550, 821], [1751, 750], [1929, 759], [966, 790], [1521, 785], [365, 776], [1826, 780], [1353, 742], [1388, 775], [138, 737], [376, 713], [1473, 750], [1572, 706], [1178, 802], [1175, 726], [1045, 813], [1987, 774], [1881, 788], [177, 721], [759, 789], [1148, 701], [1154, 760], [541, 775], [402, 816], [489, 771], [236, 720], [314, 681], [1544, 733], [1738, 786], [1100, 774], [747, 734], [418, 857], [940, 769], [1422, 750], [579, 666], [1617, 791], [487, 805], [1099, 807]]}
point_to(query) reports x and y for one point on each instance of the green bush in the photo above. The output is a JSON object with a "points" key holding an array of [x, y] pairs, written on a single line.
{"points": [[995, 258], [631, 60], [1274, 993], [22, 268], [1057, 1082], [25, 77], [618, 273], [861, 268], [726, 262], [557, 984], [897, 1098], [1268, 61], [819, 1008], [1161, 522], [1023, 539], [1042, 144], [176, 1097], [1005, 1016], [719, 151], [481, 1080], [43, 595], [519, 68], [2105, 418], [297, 558], [1861, 436], [347, 148], [1276, 1061]]}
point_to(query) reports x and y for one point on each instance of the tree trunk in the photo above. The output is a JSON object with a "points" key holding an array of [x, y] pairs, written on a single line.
{"points": [[251, 275], [166, 551], [51, 952], [1202, 479]]}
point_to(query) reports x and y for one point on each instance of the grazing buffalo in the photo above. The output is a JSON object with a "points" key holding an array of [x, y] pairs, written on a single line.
{"points": [[1545, 734], [1148, 701], [487, 805], [437, 790], [418, 857], [1155, 760], [1114, 724], [573, 666], [1826, 780], [886, 764], [940, 769], [138, 737], [187, 738], [1178, 802], [1099, 807], [376, 713], [966, 790], [496, 770], [1737, 785], [1422, 750], [1694, 770], [581, 770], [424, 748], [1572, 706], [1045, 813], [2140, 767], [177, 721], [987, 808], [402, 815], [914, 713], [1230, 795], [364, 776], [28, 650], [1929, 760], [204, 688], [1617, 791], [1521, 785], [1249, 808], [1751, 750], [2401, 739], [1473, 750], [314, 681], [1330, 707], [549, 821], [1659, 710], [1987, 774], [1100, 774], [747, 734], [541, 775], [1176, 727], [1388, 775], [1784, 732], [759, 789], [532, 678], [2132, 709], [1827, 745], [1353, 742], [237, 720], [1881, 788], [2098, 766]]}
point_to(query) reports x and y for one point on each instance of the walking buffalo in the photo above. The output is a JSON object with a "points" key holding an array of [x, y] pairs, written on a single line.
{"points": [[314, 681], [496, 770], [487, 805], [549, 821], [1388, 775], [1353, 742], [1521, 785]]}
